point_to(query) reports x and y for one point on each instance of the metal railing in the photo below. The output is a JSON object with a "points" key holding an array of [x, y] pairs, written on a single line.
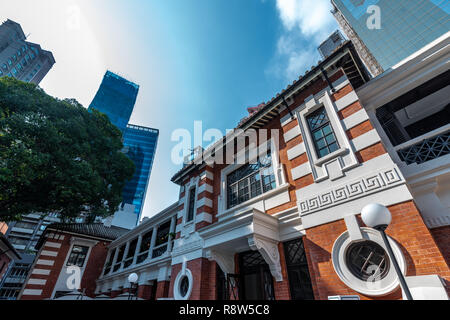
{"points": [[427, 149]]}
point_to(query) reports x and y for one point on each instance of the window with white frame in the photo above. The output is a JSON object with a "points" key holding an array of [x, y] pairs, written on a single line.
{"points": [[77, 256], [250, 180], [191, 207], [109, 262], [324, 139]]}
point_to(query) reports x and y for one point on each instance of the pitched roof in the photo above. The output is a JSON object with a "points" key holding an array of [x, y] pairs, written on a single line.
{"points": [[11, 251], [269, 106], [94, 230]]}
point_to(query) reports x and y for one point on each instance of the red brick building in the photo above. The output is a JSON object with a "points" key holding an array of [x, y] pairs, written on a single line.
{"points": [[273, 210], [70, 257]]}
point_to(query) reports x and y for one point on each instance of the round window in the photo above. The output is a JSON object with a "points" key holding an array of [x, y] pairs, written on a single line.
{"points": [[184, 286], [364, 265], [367, 260]]}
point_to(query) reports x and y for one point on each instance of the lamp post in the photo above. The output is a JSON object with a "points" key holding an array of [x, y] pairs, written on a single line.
{"points": [[132, 279], [377, 216]]}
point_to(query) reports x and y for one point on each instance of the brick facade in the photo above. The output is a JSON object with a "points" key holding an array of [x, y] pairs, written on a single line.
{"points": [[145, 292], [407, 228], [204, 277], [49, 263]]}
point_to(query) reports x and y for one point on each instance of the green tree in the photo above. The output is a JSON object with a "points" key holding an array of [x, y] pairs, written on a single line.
{"points": [[55, 156]]}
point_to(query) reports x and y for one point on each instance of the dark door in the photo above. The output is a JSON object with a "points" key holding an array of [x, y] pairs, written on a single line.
{"points": [[154, 288], [256, 281], [298, 272], [227, 285]]}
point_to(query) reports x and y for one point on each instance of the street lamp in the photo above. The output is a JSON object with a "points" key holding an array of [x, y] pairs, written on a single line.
{"points": [[132, 279], [377, 216]]}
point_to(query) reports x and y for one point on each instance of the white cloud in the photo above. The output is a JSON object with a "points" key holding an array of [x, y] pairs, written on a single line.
{"points": [[306, 24], [312, 17]]}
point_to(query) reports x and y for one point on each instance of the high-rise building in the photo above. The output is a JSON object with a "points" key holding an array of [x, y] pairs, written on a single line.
{"points": [[140, 146], [21, 59], [116, 98], [23, 236], [327, 47], [405, 27]]}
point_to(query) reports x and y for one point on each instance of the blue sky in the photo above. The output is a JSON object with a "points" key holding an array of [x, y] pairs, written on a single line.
{"points": [[205, 60]]}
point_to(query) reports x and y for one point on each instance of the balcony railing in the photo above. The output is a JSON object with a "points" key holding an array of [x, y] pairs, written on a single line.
{"points": [[159, 250], [427, 149]]}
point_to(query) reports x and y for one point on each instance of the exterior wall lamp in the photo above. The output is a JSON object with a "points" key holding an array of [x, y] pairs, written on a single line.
{"points": [[133, 279], [377, 216]]}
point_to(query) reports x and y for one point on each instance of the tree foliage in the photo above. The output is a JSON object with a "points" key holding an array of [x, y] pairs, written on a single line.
{"points": [[57, 157]]}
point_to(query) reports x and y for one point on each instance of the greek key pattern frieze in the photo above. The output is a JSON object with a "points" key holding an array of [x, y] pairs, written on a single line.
{"points": [[373, 183]]}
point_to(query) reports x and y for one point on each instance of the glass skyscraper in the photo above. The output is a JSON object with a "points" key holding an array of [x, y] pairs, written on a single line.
{"points": [[140, 146], [406, 26], [116, 98]]}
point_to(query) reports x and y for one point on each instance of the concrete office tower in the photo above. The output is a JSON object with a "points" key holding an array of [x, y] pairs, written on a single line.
{"points": [[23, 236], [21, 59], [327, 47], [405, 27]]}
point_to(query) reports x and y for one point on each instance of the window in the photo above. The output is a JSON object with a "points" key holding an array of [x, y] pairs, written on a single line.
{"points": [[298, 272], [130, 255], [119, 258], [250, 181], [323, 135], [5, 67], [18, 241], [109, 262], [145, 247], [10, 62], [184, 286], [25, 225], [77, 256], [191, 208], [366, 259], [162, 238]]}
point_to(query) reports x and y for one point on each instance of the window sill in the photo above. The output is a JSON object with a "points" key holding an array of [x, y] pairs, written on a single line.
{"points": [[263, 196], [319, 162]]}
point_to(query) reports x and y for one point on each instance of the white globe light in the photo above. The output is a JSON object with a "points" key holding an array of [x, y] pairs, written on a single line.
{"points": [[375, 214], [133, 278]]}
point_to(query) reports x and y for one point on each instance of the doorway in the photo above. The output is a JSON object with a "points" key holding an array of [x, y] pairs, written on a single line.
{"points": [[256, 281], [298, 271]]}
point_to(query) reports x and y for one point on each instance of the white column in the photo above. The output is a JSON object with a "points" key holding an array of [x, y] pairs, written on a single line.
{"points": [[171, 230], [125, 253], [138, 246], [152, 243], [116, 253], [106, 261]]}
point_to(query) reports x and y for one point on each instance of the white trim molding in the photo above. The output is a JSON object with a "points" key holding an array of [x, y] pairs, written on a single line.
{"points": [[335, 164], [269, 250], [375, 288]]}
